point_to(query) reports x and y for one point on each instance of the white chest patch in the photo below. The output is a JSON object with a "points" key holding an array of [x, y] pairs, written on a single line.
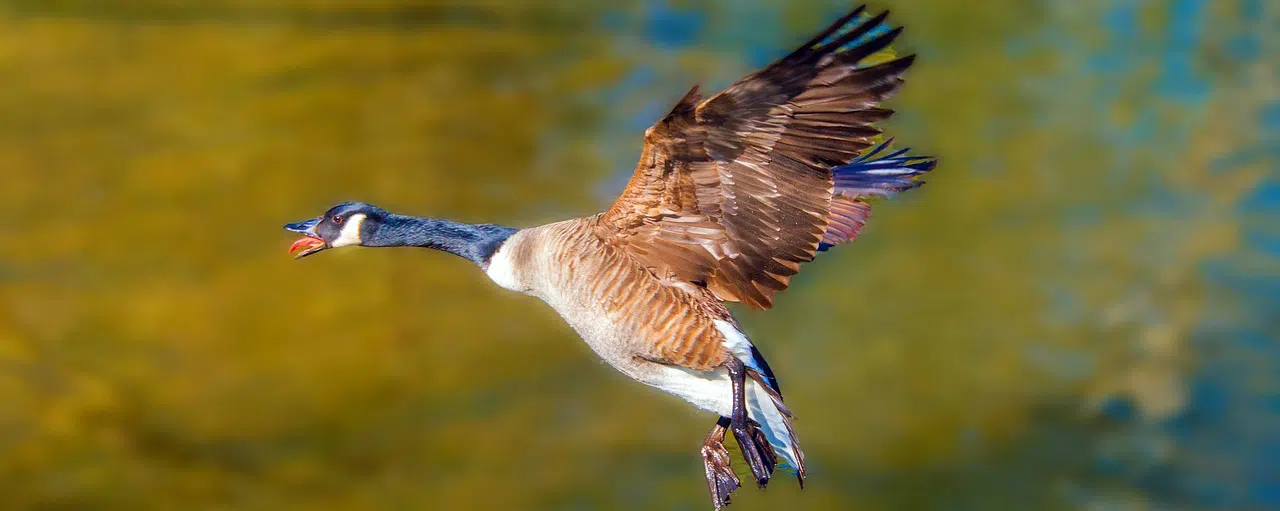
{"points": [[350, 234], [502, 270]]}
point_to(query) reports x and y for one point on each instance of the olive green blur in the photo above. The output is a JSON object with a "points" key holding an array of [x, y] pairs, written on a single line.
{"points": [[159, 349]]}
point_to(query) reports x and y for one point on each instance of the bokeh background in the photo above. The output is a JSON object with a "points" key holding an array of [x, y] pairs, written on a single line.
{"points": [[1080, 311]]}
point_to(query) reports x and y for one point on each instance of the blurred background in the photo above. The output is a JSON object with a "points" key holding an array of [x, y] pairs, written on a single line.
{"points": [[1080, 311]]}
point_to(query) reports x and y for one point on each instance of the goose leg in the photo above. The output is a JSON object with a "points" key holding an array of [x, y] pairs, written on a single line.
{"points": [[755, 446], [715, 458]]}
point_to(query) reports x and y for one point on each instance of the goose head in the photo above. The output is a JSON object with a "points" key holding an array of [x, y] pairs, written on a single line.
{"points": [[357, 223], [349, 223]]}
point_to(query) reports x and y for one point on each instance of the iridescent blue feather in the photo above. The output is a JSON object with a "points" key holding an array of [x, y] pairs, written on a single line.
{"points": [[873, 174]]}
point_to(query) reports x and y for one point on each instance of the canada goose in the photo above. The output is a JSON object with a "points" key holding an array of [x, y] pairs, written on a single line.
{"points": [[730, 196]]}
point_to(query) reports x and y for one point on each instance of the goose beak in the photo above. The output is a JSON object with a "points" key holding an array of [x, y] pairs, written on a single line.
{"points": [[310, 242]]}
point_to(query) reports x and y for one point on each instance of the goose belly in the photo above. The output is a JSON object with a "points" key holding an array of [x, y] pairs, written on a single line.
{"points": [[650, 336], [615, 342], [608, 336], [621, 310]]}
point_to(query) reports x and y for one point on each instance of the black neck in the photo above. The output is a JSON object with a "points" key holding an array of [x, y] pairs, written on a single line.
{"points": [[476, 243]]}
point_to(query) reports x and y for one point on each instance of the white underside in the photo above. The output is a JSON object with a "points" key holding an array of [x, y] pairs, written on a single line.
{"points": [[713, 391], [736, 342]]}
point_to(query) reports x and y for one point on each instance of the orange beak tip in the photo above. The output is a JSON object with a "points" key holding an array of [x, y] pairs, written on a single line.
{"points": [[305, 243]]}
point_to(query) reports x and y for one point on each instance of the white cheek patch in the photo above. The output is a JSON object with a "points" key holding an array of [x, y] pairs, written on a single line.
{"points": [[350, 234]]}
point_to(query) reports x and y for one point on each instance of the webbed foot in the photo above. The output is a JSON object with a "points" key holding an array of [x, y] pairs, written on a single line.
{"points": [[756, 450], [715, 458]]}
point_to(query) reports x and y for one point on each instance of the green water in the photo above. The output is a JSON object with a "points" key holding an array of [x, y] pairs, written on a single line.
{"points": [[1034, 329]]}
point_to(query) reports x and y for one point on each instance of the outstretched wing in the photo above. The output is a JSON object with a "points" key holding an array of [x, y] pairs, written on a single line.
{"points": [[735, 192]]}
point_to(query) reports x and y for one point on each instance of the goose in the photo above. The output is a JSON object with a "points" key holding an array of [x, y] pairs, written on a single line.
{"points": [[731, 195]]}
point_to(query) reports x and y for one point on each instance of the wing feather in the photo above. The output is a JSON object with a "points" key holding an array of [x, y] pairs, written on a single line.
{"points": [[736, 191]]}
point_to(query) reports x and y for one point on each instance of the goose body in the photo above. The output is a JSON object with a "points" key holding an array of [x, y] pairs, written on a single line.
{"points": [[623, 312], [731, 196], [667, 335]]}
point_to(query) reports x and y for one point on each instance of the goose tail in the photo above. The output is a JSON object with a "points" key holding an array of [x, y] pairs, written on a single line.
{"points": [[763, 398], [765, 406]]}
